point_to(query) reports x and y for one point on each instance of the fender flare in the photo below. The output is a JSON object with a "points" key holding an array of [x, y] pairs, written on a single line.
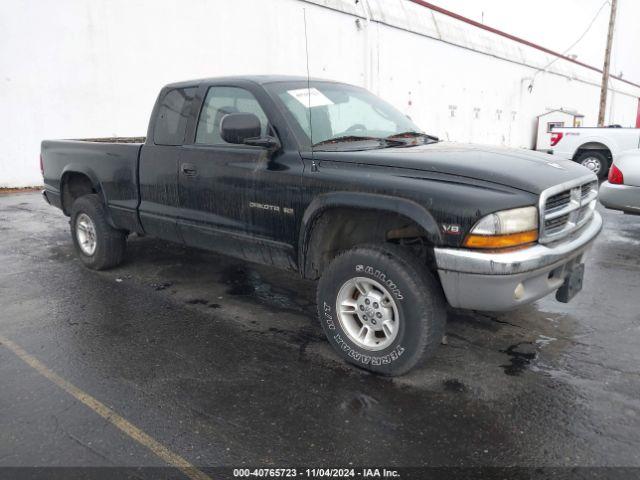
{"points": [[95, 183], [365, 201]]}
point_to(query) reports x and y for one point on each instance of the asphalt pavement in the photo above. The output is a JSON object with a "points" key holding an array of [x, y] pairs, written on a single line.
{"points": [[223, 363]]}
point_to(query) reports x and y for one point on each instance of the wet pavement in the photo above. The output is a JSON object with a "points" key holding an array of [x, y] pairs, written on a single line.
{"points": [[224, 363]]}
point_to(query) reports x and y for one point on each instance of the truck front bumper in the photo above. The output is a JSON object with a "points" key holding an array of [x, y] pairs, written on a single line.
{"points": [[503, 281]]}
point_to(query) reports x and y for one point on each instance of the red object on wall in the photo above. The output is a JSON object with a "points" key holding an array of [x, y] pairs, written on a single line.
{"points": [[638, 115]]}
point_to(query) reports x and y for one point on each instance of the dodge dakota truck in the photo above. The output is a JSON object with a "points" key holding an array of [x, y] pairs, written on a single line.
{"points": [[328, 180]]}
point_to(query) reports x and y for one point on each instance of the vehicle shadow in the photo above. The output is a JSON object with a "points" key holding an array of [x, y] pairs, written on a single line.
{"points": [[482, 352]]}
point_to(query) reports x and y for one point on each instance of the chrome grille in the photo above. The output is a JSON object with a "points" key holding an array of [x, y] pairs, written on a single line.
{"points": [[565, 208], [558, 201], [588, 188], [555, 224]]}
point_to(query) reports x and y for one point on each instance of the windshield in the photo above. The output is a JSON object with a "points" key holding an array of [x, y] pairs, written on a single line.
{"points": [[333, 113]]}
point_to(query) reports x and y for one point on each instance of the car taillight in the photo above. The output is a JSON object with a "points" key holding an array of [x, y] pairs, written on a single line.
{"points": [[615, 175], [555, 138], [41, 166]]}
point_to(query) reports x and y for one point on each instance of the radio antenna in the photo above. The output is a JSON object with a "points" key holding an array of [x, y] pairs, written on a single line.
{"points": [[306, 51]]}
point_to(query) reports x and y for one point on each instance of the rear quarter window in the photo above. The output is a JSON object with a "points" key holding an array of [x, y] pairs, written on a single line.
{"points": [[171, 121]]}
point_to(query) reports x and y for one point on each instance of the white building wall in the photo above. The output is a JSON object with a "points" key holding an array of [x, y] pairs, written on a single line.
{"points": [[80, 68]]}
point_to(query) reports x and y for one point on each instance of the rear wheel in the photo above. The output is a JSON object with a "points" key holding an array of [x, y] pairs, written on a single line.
{"points": [[595, 161], [98, 244], [381, 309]]}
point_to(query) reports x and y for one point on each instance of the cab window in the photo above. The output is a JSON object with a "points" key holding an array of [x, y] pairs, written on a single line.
{"points": [[221, 101], [171, 120]]}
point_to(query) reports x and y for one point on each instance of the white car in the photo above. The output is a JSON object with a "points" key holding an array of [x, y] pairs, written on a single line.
{"points": [[595, 148], [622, 190]]}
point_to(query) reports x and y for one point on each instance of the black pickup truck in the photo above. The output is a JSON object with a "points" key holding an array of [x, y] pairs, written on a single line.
{"points": [[328, 180]]}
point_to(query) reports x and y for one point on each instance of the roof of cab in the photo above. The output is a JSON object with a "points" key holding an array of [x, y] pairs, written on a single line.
{"points": [[258, 79]]}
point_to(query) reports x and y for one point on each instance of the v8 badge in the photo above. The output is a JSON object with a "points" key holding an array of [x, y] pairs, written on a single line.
{"points": [[451, 229]]}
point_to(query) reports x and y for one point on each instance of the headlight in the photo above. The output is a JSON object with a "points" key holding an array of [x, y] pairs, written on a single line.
{"points": [[507, 228]]}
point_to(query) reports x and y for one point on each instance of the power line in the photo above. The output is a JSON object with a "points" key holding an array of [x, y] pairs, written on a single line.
{"points": [[593, 20], [588, 28]]}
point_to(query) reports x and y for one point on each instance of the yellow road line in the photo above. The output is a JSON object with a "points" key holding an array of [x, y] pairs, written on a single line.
{"points": [[105, 412]]}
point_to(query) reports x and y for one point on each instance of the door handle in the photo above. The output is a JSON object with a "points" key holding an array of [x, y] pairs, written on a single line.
{"points": [[189, 169]]}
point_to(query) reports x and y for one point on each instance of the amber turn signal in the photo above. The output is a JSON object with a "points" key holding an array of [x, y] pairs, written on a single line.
{"points": [[500, 241]]}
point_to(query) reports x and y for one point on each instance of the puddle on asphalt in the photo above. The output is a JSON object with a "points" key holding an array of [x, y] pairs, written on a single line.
{"points": [[454, 385], [197, 301], [520, 356], [242, 281], [544, 340], [241, 290]]}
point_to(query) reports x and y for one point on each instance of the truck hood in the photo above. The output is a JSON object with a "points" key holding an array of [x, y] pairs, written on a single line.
{"points": [[523, 169]]}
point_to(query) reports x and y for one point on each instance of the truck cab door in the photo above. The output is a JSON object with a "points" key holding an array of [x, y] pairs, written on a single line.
{"points": [[158, 169], [237, 199]]}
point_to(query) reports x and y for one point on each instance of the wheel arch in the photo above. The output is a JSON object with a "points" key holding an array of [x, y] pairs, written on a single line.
{"points": [[329, 219], [597, 145], [76, 181]]}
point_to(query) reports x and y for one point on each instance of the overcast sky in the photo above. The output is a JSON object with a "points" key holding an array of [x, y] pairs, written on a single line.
{"points": [[556, 24]]}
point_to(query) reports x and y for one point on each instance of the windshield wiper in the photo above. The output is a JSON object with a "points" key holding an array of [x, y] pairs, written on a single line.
{"points": [[357, 138], [411, 134]]}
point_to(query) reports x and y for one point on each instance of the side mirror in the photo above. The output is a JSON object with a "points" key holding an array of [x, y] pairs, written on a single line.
{"points": [[238, 127], [244, 128]]}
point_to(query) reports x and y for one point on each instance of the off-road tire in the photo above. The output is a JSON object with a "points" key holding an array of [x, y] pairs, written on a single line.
{"points": [[110, 242], [417, 294]]}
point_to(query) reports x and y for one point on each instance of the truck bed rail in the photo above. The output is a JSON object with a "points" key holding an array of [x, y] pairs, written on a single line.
{"points": [[112, 140]]}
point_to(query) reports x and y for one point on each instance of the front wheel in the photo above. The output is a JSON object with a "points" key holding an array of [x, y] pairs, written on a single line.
{"points": [[98, 244], [595, 161], [381, 309]]}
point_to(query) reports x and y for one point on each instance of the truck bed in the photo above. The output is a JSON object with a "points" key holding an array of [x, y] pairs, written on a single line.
{"points": [[111, 163]]}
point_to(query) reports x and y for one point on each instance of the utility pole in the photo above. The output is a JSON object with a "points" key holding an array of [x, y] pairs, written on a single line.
{"points": [[607, 60]]}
